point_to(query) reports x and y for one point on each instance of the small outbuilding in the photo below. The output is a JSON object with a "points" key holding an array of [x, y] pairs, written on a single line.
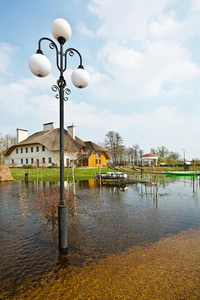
{"points": [[150, 159]]}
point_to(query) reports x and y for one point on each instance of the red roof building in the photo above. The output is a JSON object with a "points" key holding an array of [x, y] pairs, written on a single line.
{"points": [[150, 158]]}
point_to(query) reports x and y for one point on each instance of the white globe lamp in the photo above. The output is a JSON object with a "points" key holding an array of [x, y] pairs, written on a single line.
{"points": [[61, 28], [39, 65], [80, 78]]}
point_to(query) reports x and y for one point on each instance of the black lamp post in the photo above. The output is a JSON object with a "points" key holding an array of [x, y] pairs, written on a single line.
{"points": [[40, 66], [141, 153], [184, 158]]}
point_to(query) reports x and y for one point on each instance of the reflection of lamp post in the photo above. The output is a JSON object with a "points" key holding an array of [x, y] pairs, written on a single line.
{"points": [[141, 153], [40, 66]]}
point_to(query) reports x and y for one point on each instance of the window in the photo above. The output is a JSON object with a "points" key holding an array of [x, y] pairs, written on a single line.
{"points": [[22, 161], [43, 148], [43, 160], [32, 161], [49, 160], [96, 161], [27, 161], [13, 161], [21, 150], [37, 149], [26, 150], [31, 149], [16, 151], [99, 161], [97, 155]]}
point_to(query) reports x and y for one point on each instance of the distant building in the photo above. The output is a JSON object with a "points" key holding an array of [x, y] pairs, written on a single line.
{"points": [[42, 149], [150, 159]]}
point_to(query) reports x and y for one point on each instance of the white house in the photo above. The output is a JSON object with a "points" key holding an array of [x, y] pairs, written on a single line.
{"points": [[42, 149]]}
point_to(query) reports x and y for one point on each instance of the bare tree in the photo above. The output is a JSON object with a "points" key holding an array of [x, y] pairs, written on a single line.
{"points": [[174, 155], [114, 145], [136, 152], [129, 152], [165, 155], [6, 142], [163, 152], [154, 151]]}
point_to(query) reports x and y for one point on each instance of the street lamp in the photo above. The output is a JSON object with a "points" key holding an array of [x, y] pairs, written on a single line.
{"points": [[184, 154], [184, 158], [141, 153], [40, 66]]}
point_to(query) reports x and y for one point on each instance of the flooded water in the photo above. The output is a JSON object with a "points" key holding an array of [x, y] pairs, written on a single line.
{"points": [[108, 220]]}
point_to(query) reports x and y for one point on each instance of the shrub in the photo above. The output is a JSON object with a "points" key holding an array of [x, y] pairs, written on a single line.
{"points": [[28, 167], [47, 203]]}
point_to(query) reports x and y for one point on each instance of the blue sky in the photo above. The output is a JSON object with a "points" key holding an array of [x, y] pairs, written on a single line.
{"points": [[143, 58]]}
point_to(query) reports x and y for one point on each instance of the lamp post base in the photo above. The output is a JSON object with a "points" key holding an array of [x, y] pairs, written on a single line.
{"points": [[62, 225]]}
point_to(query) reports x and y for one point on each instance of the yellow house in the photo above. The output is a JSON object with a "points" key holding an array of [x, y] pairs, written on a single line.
{"points": [[92, 155]]}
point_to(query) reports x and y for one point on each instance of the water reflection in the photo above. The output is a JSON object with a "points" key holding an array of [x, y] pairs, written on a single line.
{"points": [[108, 220]]}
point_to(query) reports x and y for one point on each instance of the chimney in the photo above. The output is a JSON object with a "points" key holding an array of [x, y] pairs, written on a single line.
{"points": [[71, 131], [22, 134], [48, 126]]}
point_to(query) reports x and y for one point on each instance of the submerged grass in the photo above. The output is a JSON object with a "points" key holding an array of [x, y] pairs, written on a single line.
{"points": [[167, 269]]}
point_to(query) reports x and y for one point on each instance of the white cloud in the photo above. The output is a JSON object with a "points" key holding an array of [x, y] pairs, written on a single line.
{"points": [[82, 29], [165, 27], [45, 108], [13, 98], [6, 51], [101, 85], [119, 56], [143, 74], [126, 19], [162, 126], [138, 20], [17, 98], [172, 60], [195, 5], [143, 47]]}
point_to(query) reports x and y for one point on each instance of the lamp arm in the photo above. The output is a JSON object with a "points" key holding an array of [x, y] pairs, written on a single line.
{"points": [[71, 53], [52, 45]]}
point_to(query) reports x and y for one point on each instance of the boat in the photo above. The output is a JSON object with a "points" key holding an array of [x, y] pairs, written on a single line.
{"points": [[182, 173], [112, 178], [112, 175]]}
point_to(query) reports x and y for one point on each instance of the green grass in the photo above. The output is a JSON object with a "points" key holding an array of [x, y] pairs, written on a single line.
{"points": [[54, 174], [83, 173]]}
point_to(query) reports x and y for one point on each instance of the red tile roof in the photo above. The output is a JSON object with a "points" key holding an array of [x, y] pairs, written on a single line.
{"points": [[149, 155]]}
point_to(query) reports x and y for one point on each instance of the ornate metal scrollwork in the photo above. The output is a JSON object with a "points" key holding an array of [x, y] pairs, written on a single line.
{"points": [[67, 92], [71, 53], [52, 45], [61, 82], [61, 61], [55, 88]]}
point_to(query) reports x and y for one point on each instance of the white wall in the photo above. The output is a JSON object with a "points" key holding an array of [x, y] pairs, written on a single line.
{"points": [[26, 155]]}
